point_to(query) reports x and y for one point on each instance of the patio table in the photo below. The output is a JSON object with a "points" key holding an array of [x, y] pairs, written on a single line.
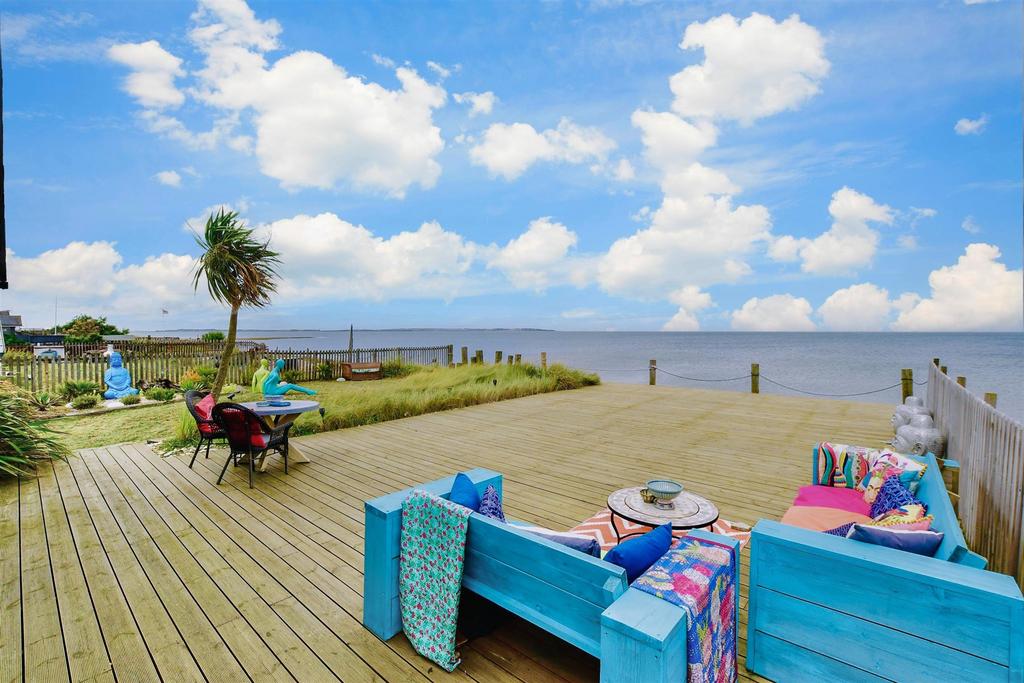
{"points": [[688, 511], [276, 416]]}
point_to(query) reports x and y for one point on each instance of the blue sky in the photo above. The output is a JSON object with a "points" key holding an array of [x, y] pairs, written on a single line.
{"points": [[563, 165]]}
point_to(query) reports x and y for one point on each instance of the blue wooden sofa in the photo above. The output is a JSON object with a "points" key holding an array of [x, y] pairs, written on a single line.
{"points": [[581, 599], [829, 608]]}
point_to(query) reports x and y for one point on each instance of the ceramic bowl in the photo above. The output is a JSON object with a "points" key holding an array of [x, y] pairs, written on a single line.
{"points": [[665, 491]]}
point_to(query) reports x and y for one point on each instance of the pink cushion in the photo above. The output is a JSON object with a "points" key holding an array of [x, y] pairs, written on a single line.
{"points": [[204, 408], [821, 518], [850, 500]]}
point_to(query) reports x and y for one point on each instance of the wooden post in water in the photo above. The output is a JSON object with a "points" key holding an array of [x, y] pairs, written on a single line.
{"points": [[906, 384], [755, 378], [465, 355], [961, 380], [990, 398], [497, 357], [652, 369], [543, 360]]}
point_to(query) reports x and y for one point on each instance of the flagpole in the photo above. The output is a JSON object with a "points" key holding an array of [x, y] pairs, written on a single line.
{"points": [[3, 220]]}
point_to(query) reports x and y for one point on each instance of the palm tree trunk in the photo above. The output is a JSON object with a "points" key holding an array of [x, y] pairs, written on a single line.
{"points": [[225, 356]]}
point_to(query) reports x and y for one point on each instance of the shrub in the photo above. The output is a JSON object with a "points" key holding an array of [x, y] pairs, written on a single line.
{"points": [[291, 376], [398, 368], [191, 381], [130, 399], [85, 401], [17, 356], [23, 441], [160, 394], [72, 389], [213, 336], [42, 400], [568, 378], [206, 374], [325, 371]]}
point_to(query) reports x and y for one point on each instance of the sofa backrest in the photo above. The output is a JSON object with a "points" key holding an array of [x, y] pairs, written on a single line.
{"points": [[932, 492], [559, 589]]}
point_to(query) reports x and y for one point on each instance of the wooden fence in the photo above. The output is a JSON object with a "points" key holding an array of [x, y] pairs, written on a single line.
{"points": [[989, 446], [149, 348], [39, 374]]}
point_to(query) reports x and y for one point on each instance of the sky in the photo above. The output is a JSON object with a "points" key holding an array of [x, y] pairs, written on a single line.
{"points": [[568, 165]]}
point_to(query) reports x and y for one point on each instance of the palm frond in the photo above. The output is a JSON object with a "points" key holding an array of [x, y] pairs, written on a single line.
{"points": [[239, 269]]}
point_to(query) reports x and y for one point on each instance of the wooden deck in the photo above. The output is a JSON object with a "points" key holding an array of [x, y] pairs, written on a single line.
{"points": [[123, 565]]}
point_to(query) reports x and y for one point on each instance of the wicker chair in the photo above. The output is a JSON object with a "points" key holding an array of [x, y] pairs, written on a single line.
{"points": [[208, 428], [250, 436]]}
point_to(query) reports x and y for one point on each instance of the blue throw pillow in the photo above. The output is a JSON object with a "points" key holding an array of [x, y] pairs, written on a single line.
{"points": [[893, 494], [490, 504], [581, 542], [464, 492], [637, 554], [922, 542]]}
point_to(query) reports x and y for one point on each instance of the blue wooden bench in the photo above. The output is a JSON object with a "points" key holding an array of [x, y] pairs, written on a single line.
{"points": [[581, 599], [828, 608]]}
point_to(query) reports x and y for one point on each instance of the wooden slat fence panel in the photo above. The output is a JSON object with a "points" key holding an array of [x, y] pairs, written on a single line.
{"points": [[989, 445]]}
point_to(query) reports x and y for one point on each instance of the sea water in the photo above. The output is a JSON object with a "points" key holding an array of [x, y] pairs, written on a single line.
{"points": [[816, 362]]}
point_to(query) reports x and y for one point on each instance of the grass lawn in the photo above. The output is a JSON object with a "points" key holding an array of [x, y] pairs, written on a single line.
{"points": [[346, 404]]}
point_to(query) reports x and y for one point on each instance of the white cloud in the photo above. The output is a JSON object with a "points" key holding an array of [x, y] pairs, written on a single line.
{"points": [[860, 308], [509, 149], [918, 214], [971, 225], [850, 243], [776, 313], [538, 257], [578, 313], [479, 102], [908, 242], [977, 293], [438, 69], [624, 171], [671, 142], [325, 256], [752, 68], [169, 178], [380, 60], [971, 126], [314, 124], [690, 300], [154, 70]]}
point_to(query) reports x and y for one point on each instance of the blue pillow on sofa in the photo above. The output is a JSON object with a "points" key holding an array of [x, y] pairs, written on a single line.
{"points": [[464, 492], [637, 554], [921, 542], [893, 494]]}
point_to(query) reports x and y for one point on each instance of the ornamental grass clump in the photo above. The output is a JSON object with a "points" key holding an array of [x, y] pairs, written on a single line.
{"points": [[130, 399], [23, 440], [85, 401], [72, 389], [160, 394]]}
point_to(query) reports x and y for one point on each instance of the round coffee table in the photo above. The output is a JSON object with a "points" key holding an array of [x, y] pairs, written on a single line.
{"points": [[689, 511]]}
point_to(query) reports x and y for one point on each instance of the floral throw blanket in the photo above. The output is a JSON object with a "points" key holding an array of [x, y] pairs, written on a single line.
{"points": [[430, 574], [698, 576]]}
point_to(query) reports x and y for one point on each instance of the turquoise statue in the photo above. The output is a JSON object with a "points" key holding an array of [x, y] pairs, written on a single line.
{"points": [[260, 376], [118, 379], [273, 386]]}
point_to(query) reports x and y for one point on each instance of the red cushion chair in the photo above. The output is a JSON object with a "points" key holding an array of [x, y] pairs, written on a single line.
{"points": [[249, 435], [200, 406]]}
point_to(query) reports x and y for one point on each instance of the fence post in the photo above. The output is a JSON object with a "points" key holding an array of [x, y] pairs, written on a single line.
{"points": [[961, 380], [543, 360], [935, 362], [451, 354], [990, 398], [755, 378], [519, 358], [465, 355], [510, 359], [652, 372], [497, 357], [906, 384], [479, 356]]}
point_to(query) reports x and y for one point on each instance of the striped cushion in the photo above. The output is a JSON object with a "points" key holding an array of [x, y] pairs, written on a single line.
{"points": [[841, 465], [599, 526]]}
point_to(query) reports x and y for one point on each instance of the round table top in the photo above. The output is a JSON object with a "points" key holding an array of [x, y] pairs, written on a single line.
{"points": [[293, 407], [689, 511]]}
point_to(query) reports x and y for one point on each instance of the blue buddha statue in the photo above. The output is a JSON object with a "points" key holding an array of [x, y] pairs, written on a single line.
{"points": [[118, 379], [273, 386]]}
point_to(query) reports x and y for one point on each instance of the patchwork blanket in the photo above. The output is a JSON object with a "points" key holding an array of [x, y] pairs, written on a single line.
{"points": [[433, 549], [698, 575]]}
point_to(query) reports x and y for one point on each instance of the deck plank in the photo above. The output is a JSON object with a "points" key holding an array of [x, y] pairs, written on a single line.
{"points": [[142, 565]]}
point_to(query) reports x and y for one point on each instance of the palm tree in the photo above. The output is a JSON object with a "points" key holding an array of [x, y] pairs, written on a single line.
{"points": [[240, 271]]}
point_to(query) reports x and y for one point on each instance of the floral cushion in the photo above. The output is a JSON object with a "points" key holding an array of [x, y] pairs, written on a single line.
{"points": [[841, 465], [911, 470], [892, 494], [490, 504]]}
